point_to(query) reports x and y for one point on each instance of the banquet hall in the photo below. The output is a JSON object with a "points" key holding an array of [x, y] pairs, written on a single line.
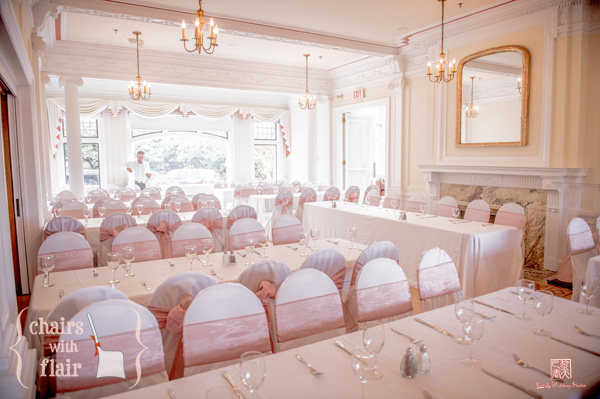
{"points": [[351, 128]]}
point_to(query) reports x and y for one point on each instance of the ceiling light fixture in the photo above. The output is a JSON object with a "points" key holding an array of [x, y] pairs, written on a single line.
{"points": [[139, 90], [307, 101], [440, 67], [199, 33], [472, 110]]}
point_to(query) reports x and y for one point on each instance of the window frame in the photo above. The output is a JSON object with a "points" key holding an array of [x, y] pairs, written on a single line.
{"points": [[277, 142]]}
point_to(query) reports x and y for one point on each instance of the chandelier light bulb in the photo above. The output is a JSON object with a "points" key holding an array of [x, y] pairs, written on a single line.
{"points": [[198, 40]]}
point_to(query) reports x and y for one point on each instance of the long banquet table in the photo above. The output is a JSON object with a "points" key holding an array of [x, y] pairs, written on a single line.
{"points": [[287, 378], [487, 256], [266, 203]]}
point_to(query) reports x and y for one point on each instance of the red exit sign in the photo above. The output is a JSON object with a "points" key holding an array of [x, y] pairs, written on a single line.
{"points": [[357, 94]]}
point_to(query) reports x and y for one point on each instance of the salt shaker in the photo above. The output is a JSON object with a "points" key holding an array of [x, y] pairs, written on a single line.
{"points": [[225, 258], [408, 365], [423, 360], [231, 258]]}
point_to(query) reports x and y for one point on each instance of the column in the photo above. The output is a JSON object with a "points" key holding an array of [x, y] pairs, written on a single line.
{"points": [[312, 142], [323, 141], [73, 119], [243, 148], [394, 174]]}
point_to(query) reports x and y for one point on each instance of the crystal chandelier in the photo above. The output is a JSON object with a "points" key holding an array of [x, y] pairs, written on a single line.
{"points": [[472, 110], [199, 33], [307, 101], [139, 90], [442, 65]]}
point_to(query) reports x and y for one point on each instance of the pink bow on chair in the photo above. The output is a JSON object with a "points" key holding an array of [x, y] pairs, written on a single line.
{"points": [[165, 229], [285, 204], [80, 230], [212, 224], [106, 233], [266, 290]]}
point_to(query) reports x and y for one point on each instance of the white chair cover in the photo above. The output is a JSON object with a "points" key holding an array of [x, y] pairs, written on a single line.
{"points": [[308, 195], [308, 309], [167, 200], [97, 194], [196, 199], [64, 223], [71, 251], [238, 212], [149, 204], [223, 321], [145, 243], [274, 271], [373, 196], [329, 261], [186, 204], [189, 234], [511, 214], [478, 211], [286, 230], [414, 203], [73, 209], [352, 194], [296, 186], [153, 193], [125, 194], [370, 188], [163, 224], [111, 227], [208, 197], [284, 204], [124, 329], [445, 206], [381, 249], [392, 196], [237, 194], [212, 219], [242, 230], [247, 191], [169, 304], [593, 269], [437, 280], [175, 190], [114, 206], [332, 192], [97, 204], [66, 195], [581, 248]]}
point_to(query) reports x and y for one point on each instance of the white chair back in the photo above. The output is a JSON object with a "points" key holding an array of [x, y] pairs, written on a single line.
{"points": [[66, 195], [381, 249], [175, 190], [111, 226], [148, 203], [212, 219], [329, 261], [352, 194], [284, 204], [167, 200], [203, 201], [124, 194], [414, 203], [446, 206], [581, 249], [286, 229], [73, 209], [153, 193], [64, 223], [244, 229], [511, 214], [331, 194], [189, 234], [97, 194], [145, 244], [163, 224], [370, 188], [269, 270], [373, 197], [195, 200], [114, 206], [186, 204], [392, 196], [240, 212], [478, 211], [437, 280], [70, 250]]}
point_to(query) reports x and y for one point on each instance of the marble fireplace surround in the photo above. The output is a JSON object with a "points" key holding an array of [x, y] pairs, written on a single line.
{"points": [[562, 186]]}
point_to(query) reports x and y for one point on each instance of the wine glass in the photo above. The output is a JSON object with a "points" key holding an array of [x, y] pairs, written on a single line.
{"points": [[207, 247], [128, 257], [456, 214], [525, 288], [140, 209], [174, 192], [118, 196], [264, 242], [373, 340], [56, 212], [314, 234], [177, 206], [130, 210], [367, 201], [422, 208], [252, 370], [211, 203], [88, 199], [542, 302], [101, 210], [259, 190], [168, 206], [297, 189], [464, 311], [473, 329], [303, 241], [203, 204], [394, 204], [589, 288], [351, 233], [190, 254], [249, 247], [113, 264], [86, 215], [363, 366], [276, 189], [47, 264]]}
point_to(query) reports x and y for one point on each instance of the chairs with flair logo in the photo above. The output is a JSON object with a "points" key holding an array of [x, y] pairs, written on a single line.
{"points": [[446, 206], [437, 280], [190, 234], [286, 229], [145, 244], [64, 223], [212, 219], [111, 227], [478, 211], [70, 250]]}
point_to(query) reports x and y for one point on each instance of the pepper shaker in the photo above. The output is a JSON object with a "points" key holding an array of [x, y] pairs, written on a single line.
{"points": [[231, 258], [423, 360], [408, 365], [225, 259]]}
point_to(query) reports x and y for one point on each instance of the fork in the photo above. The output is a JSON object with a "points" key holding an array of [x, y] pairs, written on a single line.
{"points": [[242, 255], [313, 370], [333, 242], [412, 341], [290, 247], [146, 285], [525, 365], [214, 273], [580, 331]]}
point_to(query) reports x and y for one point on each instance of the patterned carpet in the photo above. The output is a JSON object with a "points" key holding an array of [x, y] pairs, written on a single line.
{"points": [[541, 282]]}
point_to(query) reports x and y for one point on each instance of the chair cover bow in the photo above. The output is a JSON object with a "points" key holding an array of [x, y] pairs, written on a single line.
{"points": [[212, 224], [165, 229], [266, 290], [80, 230], [109, 232], [172, 319]]}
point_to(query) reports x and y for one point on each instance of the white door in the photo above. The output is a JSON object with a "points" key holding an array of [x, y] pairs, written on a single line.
{"points": [[358, 154]]}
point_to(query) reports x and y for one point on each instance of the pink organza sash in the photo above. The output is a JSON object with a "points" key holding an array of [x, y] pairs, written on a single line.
{"points": [[80, 230], [444, 210], [413, 206], [237, 241], [172, 319], [477, 215], [144, 250], [226, 339], [109, 212], [510, 219], [151, 359], [164, 230], [286, 204], [185, 207], [308, 198], [212, 224], [383, 301], [335, 197], [353, 197], [319, 314], [109, 232], [437, 280], [287, 234], [178, 246], [581, 242], [266, 291], [77, 213], [70, 260], [338, 278]]}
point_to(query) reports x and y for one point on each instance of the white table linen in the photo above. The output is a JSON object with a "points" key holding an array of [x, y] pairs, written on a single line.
{"points": [[487, 256], [593, 269], [225, 195]]}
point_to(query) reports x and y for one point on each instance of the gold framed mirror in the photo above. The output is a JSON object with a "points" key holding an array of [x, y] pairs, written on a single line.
{"points": [[492, 98]]}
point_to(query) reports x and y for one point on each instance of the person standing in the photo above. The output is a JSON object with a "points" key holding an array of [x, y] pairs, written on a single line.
{"points": [[140, 170]]}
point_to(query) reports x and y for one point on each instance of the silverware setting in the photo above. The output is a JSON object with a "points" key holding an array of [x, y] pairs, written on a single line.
{"points": [[235, 388], [525, 365], [485, 317], [241, 254], [214, 273], [95, 272], [514, 384], [171, 393], [580, 331], [333, 242], [435, 328], [313, 370], [427, 395], [493, 307], [412, 340], [146, 285], [340, 345], [170, 263], [290, 247], [200, 259], [575, 346]]}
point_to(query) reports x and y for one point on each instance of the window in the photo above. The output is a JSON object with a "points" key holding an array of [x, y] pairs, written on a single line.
{"points": [[90, 149], [266, 149], [89, 128]]}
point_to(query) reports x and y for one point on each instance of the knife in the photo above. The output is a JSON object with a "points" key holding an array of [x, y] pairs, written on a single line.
{"points": [[435, 328], [237, 391], [348, 351], [575, 346], [493, 307], [509, 382]]}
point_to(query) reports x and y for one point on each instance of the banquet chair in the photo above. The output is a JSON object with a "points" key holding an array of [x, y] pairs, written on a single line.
{"points": [[73, 209], [297, 186], [166, 200], [186, 204], [119, 326], [145, 244], [437, 280], [237, 195], [284, 204], [268, 189], [153, 193], [65, 195], [374, 198], [107, 189], [307, 309], [96, 194], [175, 190], [286, 229], [247, 191], [329, 261], [381, 249], [478, 211], [370, 188], [163, 224], [111, 226], [124, 195], [581, 248], [392, 196], [239, 212], [268, 271], [593, 270], [203, 201], [331, 194], [220, 185], [196, 199], [352, 194], [381, 293], [190, 234], [242, 230], [168, 304], [99, 203], [64, 223], [511, 214], [308, 195], [71, 251], [415, 201], [306, 185], [113, 206], [446, 206], [148, 203], [222, 323], [212, 219], [596, 235]]}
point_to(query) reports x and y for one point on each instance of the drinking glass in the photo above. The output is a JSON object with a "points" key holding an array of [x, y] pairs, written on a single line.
{"points": [[456, 214], [140, 209], [275, 189], [174, 192], [367, 201], [589, 288], [542, 302], [252, 370], [101, 211], [259, 189], [464, 311], [373, 340], [88, 199], [47, 264], [207, 247], [86, 215], [177, 206], [118, 196], [130, 210], [128, 257], [422, 208], [297, 189], [525, 288], [168, 206], [211, 203], [351, 233], [394, 204], [113, 264], [363, 366], [56, 212], [249, 247], [473, 329], [314, 234], [190, 254], [264, 242], [203, 204], [303, 241]]}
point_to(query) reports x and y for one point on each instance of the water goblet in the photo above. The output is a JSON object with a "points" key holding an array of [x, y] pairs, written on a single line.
{"points": [[589, 288], [211, 203], [351, 233], [190, 254], [252, 370], [259, 190], [86, 215], [276, 189], [203, 204], [314, 234], [140, 209], [249, 247], [464, 311], [118, 196], [207, 247], [303, 241], [128, 257], [367, 201], [174, 192], [177, 206], [363, 366], [373, 340], [101, 210], [297, 189], [113, 259], [542, 302], [47, 264], [473, 330], [88, 199], [264, 242], [525, 289], [422, 208], [168, 206], [456, 214], [56, 212]]}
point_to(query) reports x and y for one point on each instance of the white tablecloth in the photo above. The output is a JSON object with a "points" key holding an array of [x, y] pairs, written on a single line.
{"points": [[593, 269], [487, 257], [225, 195], [288, 378], [265, 204]]}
